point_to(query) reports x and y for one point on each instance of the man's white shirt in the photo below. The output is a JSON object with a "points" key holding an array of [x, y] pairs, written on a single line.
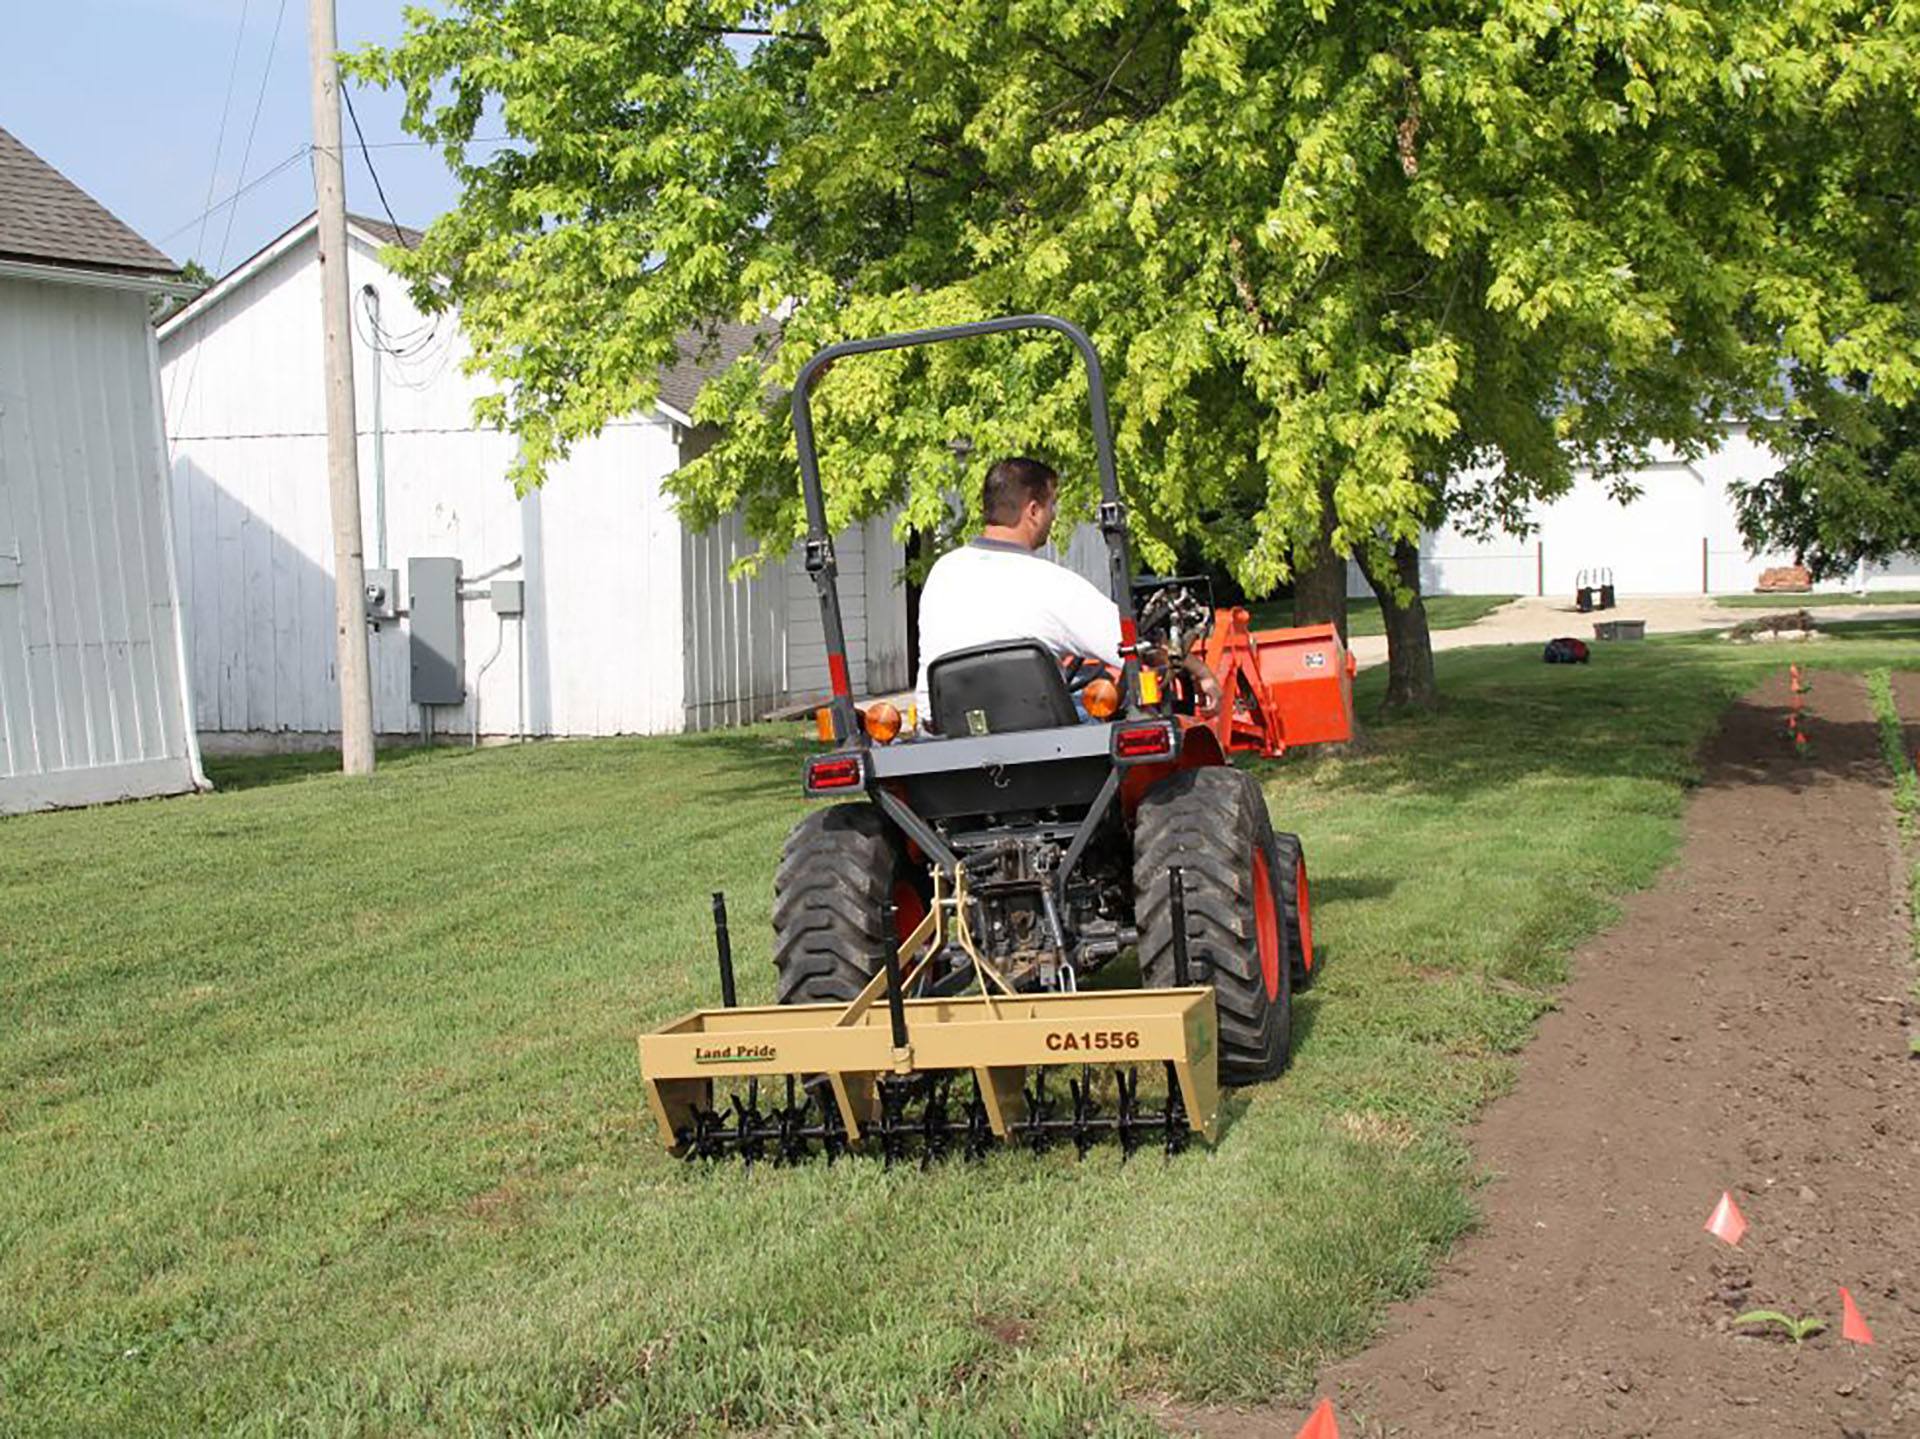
{"points": [[994, 590]]}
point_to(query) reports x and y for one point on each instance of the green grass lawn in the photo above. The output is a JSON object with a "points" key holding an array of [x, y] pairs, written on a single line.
{"points": [[319, 1107], [1444, 612], [1819, 601]]}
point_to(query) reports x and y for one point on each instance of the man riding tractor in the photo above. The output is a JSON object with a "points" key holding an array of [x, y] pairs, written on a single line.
{"points": [[1061, 815], [998, 588]]}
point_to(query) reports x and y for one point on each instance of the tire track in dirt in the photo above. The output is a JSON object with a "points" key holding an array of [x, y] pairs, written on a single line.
{"points": [[1740, 1028]]}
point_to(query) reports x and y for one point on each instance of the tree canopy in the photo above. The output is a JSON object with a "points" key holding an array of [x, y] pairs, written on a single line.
{"points": [[1849, 488], [1419, 259]]}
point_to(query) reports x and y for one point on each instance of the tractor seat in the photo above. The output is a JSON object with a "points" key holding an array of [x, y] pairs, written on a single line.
{"points": [[998, 688]]}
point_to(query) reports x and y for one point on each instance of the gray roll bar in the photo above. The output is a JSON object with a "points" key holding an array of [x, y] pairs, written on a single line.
{"points": [[819, 543]]}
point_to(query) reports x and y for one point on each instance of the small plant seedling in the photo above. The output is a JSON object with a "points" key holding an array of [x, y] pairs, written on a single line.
{"points": [[1798, 1330]]}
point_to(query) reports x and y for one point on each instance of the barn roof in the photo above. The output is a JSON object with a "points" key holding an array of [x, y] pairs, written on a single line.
{"points": [[704, 352], [47, 219]]}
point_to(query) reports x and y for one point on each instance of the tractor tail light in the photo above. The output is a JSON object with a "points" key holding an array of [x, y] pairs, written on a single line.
{"points": [[834, 772], [1143, 741]]}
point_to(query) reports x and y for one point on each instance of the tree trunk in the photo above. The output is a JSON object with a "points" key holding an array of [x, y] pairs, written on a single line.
{"points": [[1410, 682], [1320, 578]]}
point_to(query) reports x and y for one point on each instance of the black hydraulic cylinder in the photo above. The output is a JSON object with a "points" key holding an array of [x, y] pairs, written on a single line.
{"points": [[1177, 903], [724, 945], [896, 999]]}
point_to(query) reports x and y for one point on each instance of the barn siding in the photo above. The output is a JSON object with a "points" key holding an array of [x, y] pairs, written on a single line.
{"points": [[633, 625], [91, 707], [1653, 546], [599, 549]]}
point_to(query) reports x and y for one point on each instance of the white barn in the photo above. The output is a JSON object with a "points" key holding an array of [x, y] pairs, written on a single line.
{"points": [[629, 623], [92, 681], [1679, 537]]}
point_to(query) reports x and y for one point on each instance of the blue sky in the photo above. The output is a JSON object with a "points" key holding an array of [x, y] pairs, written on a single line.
{"points": [[124, 98]]}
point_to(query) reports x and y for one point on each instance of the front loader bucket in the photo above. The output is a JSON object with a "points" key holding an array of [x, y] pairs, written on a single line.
{"points": [[834, 1078], [1284, 688]]}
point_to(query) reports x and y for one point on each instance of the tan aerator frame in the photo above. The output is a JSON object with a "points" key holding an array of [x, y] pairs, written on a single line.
{"points": [[996, 1036]]}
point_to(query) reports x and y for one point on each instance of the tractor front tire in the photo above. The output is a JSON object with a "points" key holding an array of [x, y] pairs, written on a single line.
{"points": [[839, 871], [1212, 824]]}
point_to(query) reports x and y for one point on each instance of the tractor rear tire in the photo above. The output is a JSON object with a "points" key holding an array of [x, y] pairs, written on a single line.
{"points": [[1296, 906], [1212, 823], [839, 871]]}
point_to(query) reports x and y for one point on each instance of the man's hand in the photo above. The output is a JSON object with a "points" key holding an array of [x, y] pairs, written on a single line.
{"points": [[1203, 681]]}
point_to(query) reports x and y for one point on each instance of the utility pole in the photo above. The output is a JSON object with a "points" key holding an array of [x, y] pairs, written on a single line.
{"points": [[343, 461]]}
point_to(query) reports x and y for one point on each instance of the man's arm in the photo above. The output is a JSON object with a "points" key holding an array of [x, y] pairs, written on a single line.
{"points": [[1088, 621]]}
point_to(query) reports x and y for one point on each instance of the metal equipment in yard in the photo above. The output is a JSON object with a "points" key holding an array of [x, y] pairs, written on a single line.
{"points": [[1037, 828]]}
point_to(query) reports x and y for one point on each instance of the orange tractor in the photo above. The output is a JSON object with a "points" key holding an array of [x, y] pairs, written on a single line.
{"points": [[985, 867]]}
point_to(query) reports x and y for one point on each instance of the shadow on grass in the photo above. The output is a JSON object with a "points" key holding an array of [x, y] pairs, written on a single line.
{"points": [[231, 773]]}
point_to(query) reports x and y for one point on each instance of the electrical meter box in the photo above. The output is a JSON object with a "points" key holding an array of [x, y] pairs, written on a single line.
{"points": [[383, 595], [509, 597], [438, 642]]}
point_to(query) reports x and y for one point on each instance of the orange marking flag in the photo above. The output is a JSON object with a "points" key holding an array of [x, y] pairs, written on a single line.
{"points": [[1320, 1424], [1852, 1326], [1726, 1223]]}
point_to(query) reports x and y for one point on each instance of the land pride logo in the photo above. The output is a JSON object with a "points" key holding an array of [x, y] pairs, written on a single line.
{"points": [[733, 1054]]}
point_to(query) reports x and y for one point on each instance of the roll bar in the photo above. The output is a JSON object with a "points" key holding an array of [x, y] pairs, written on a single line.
{"points": [[819, 543]]}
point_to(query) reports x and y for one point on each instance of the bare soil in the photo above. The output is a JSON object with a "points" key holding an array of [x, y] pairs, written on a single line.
{"points": [[1742, 1028]]}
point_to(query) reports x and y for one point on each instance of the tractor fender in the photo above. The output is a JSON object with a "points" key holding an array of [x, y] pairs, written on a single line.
{"points": [[1199, 749]]}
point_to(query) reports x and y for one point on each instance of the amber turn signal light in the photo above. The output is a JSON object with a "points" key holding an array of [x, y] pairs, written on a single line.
{"points": [[883, 721], [823, 724], [1101, 697]]}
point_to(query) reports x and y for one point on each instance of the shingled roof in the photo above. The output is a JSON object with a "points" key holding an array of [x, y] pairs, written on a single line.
{"points": [[47, 219], [704, 352]]}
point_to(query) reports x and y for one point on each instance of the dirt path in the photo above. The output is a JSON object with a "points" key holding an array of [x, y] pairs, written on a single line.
{"points": [[1741, 1028], [1535, 620]]}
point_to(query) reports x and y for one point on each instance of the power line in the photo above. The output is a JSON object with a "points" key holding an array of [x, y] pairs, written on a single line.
{"points": [[252, 185], [226, 236], [436, 144], [367, 160], [220, 140], [253, 127], [301, 154]]}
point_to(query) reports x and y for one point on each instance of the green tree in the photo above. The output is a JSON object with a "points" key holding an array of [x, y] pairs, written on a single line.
{"points": [[1352, 268], [1848, 489], [161, 307]]}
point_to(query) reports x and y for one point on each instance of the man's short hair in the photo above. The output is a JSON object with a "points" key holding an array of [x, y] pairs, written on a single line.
{"points": [[1010, 484]]}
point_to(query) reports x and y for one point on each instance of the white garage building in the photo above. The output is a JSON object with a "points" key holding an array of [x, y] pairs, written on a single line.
{"points": [[1678, 538], [628, 622], [92, 686]]}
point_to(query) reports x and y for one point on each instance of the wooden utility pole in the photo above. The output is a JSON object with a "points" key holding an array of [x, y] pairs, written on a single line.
{"points": [[343, 461]]}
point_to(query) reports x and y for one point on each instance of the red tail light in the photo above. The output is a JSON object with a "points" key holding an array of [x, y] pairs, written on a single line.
{"points": [[1143, 741], [834, 771]]}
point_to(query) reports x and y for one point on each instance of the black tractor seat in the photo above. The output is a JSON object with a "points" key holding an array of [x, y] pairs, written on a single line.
{"points": [[998, 688]]}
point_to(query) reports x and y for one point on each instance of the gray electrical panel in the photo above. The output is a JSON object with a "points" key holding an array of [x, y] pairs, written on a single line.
{"points": [[438, 641], [509, 597]]}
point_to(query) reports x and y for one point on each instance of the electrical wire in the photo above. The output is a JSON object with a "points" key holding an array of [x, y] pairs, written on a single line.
{"points": [[220, 140], [246, 189], [253, 128], [367, 160], [226, 238]]}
